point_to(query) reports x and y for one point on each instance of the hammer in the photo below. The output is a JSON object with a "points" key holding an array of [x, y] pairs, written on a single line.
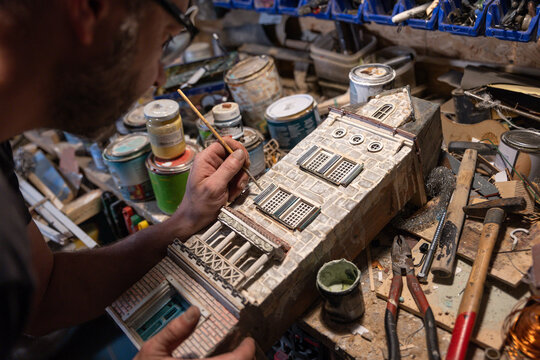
{"points": [[494, 213]]}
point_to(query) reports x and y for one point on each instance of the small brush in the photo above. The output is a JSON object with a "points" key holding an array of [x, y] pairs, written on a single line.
{"points": [[220, 139]]}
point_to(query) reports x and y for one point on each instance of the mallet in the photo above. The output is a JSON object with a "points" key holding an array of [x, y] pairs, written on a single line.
{"points": [[218, 137]]}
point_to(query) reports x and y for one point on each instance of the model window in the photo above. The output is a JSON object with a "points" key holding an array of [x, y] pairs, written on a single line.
{"points": [[383, 111]]}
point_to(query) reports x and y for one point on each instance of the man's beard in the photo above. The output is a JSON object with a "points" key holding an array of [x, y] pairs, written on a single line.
{"points": [[89, 100]]}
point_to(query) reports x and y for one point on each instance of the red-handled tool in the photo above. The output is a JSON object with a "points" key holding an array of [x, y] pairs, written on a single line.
{"points": [[494, 213], [402, 264]]}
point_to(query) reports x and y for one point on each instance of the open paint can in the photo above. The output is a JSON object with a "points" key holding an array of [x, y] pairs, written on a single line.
{"points": [[338, 283], [125, 157], [369, 80], [169, 178], [521, 149], [254, 84], [291, 119]]}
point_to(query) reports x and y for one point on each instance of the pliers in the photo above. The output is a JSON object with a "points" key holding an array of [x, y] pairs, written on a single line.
{"points": [[402, 264]]}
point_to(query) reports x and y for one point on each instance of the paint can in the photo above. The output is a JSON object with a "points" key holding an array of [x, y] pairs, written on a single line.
{"points": [[338, 283], [252, 140], [134, 120], [368, 80], [227, 120], [125, 157], [254, 84], [169, 178], [291, 119], [521, 148]]}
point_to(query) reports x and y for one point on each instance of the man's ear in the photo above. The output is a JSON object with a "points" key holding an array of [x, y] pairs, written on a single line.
{"points": [[84, 16]]}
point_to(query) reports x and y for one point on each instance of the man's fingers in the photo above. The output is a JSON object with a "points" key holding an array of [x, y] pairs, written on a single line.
{"points": [[177, 330], [230, 167], [244, 351], [235, 145]]}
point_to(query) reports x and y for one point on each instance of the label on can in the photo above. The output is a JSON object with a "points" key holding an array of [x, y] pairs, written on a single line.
{"points": [[290, 133], [167, 140]]}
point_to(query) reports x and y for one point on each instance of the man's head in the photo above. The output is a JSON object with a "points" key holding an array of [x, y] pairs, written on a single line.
{"points": [[104, 54]]}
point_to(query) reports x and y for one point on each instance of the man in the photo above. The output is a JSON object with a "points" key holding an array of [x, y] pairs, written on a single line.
{"points": [[76, 65]]}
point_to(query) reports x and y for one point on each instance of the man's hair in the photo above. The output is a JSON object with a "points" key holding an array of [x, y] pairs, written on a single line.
{"points": [[22, 7]]}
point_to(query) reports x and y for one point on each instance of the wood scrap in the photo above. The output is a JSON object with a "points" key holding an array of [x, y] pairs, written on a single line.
{"points": [[84, 207]]}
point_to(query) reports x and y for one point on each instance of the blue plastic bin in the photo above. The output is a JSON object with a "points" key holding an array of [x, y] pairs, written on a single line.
{"points": [[341, 8], [243, 4], [326, 14], [429, 24], [496, 12], [258, 5], [288, 7], [447, 6], [223, 3], [377, 10]]}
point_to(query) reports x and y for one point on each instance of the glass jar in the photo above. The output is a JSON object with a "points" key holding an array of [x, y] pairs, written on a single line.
{"points": [[164, 126]]}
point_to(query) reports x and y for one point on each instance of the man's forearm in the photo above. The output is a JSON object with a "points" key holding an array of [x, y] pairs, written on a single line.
{"points": [[83, 283]]}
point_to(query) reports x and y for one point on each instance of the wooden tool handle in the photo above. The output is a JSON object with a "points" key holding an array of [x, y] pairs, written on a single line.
{"points": [[470, 302], [443, 264]]}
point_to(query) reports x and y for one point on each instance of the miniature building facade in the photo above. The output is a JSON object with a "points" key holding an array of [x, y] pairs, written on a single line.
{"points": [[253, 271]]}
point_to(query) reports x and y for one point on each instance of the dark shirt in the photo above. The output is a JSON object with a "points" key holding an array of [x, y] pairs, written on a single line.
{"points": [[16, 282]]}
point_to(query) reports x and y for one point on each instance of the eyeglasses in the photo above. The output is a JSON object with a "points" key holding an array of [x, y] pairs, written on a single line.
{"points": [[181, 41]]}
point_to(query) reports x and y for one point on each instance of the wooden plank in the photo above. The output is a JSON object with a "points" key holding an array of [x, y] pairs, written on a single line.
{"points": [[84, 207], [444, 299], [508, 267]]}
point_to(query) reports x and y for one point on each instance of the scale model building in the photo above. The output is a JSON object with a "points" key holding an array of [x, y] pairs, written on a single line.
{"points": [[252, 272]]}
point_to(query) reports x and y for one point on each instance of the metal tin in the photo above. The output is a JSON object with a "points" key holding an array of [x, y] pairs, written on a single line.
{"points": [[135, 120], [253, 142], [291, 119], [338, 282], [368, 80], [125, 157], [521, 148], [169, 178], [254, 84]]}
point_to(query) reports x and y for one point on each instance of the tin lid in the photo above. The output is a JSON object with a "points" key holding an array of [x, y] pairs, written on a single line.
{"points": [[161, 110], [226, 111], [252, 138], [289, 106], [246, 68], [135, 118], [525, 140], [127, 146], [372, 74], [177, 165]]}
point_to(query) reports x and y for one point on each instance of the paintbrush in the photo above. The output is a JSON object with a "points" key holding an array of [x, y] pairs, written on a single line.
{"points": [[220, 139]]}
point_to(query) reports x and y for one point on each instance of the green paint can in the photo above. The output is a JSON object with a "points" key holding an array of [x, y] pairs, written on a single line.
{"points": [[169, 178]]}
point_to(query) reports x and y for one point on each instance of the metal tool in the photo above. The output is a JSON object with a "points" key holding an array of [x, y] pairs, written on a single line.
{"points": [[218, 137], [402, 264], [515, 239], [480, 183], [443, 264], [423, 274], [494, 213]]}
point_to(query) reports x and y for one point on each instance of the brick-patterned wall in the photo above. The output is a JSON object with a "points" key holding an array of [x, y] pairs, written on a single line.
{"points": [[208, 335]]}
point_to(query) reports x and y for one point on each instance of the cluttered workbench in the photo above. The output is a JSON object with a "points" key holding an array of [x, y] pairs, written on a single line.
{"points": [[382, 219]]}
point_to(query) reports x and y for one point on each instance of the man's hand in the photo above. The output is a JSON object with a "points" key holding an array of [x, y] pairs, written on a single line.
{"points": [[161, 345], [215, 178]]}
